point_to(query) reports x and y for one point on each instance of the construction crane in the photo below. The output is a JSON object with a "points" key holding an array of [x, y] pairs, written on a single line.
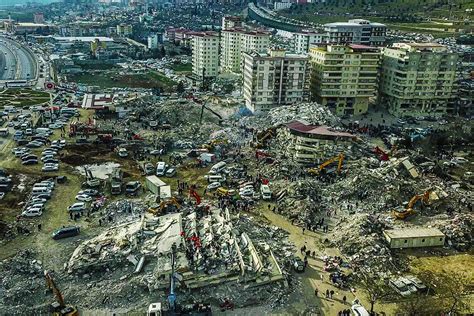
{"points": [[339, 158], [404, 213], [58, 308]]}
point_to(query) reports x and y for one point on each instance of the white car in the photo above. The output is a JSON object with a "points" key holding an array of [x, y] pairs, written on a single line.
{"points": [[50, 167], [246, 192], [83, 197], [213, 186], [123, 153], [37, 201], [32, 212], [2, 195], [79, 206], [20, 151]]}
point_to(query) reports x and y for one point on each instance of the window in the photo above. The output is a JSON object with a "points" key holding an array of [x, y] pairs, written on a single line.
{"points": [[423, 240], [406, 241]]}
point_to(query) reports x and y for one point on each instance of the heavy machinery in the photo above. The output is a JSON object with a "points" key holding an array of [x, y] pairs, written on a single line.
{"points": [[384, 156], [196, 196], [165, 206], [115, 179], [58, 308], [91, 181], [403, 213], [263, 137], [339, 158]]}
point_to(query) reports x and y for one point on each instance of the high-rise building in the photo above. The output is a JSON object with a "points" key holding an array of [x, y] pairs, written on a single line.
{"points": [[153, 40], [38, 18], [205, 46], [355, 31], [344, 78], [230, 22], [418, 79], [302, 41], [124, 30], [273, 79], [236, 41]]}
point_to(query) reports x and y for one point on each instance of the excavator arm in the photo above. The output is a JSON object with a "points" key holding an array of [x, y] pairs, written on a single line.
{"points": [[339, 158]]}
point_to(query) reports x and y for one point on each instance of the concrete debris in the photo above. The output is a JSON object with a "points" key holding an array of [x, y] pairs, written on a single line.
{"points": [[458, 231]]}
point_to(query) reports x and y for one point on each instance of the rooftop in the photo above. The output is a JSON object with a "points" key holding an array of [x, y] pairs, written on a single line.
{"points": [[303, 127], [413, 232]]}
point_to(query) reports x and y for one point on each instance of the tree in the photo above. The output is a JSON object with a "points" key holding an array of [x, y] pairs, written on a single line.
{"points": [[376, 289]]}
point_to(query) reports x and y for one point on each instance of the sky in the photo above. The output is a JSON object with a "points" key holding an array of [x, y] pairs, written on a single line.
{"points": [[11, 2]]}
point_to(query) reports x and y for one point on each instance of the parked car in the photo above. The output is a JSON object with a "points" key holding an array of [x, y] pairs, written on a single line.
{"points": [[123, 153], [77, 207], [29, 162], [298, 264], [66, 232], [28, 156], [171, 172], [213, 186], [416, 283], [90, 192], [84, 197], [2, 195], [400, 287], [50, 167], [32, 212]]}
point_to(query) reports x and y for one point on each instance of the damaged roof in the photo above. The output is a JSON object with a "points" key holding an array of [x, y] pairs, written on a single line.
{"points": [[303, 127]]}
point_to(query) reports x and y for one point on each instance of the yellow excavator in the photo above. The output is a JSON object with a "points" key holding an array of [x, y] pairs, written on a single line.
{"points": [[58, 308], [339, 158], [159, 209], [403, 213], [262, 137]]}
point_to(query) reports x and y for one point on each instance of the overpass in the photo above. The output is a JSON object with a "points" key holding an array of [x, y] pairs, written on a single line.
{"points": [[271, 19]]}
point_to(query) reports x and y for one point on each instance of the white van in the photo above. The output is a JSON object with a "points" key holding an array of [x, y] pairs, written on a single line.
{"points": [[214, 178], [359, 310], [266, 192], [218, 167], [160, 168], [41, 190]]}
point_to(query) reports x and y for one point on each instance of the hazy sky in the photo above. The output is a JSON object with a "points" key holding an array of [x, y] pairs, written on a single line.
{"points": [[10, 2]]}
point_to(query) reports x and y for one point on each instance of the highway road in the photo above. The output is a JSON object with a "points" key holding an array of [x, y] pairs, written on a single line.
{"points": [[16, 61]]}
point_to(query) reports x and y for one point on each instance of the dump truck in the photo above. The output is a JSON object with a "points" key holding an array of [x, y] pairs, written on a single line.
{"points": [[115, 179]]}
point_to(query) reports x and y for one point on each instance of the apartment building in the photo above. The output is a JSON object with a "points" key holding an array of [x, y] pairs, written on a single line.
{"points": [[418, 79], [344, 77], [302, 41], [205, 47], [230, 22], [236, 41], [124, 30], [274, 78], [356, 31]]}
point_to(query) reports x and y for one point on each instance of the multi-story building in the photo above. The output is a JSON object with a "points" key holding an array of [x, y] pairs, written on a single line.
{"points": [[344, 77], [235, 41], [302, 41], [205, 46], [124, 30], [152, 41], [231, 22], [418, 79], [355, 31], [273, 79]]}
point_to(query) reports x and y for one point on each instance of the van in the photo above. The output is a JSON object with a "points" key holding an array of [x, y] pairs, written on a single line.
{"points": [[43, 185], [266, 192], [218, 167], [66, 232], [160, 168], [40, 190], [359, 310], [214, 178], [43, 130]]}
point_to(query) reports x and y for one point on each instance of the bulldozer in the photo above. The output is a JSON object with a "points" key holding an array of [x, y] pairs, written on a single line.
{"points": [[402, 213], [339, 158], [164, 206], [58, 308]]}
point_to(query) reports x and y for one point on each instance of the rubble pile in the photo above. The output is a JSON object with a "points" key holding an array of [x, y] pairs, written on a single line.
{"points": [[22, 283], [458, 231], [361, 239], [313, 113]]}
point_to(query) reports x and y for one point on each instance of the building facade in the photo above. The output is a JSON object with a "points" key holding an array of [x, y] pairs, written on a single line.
{"points": [[355, 31], [418, 79], [205, 47], [312, 144], [273, 79], [344, 77], [152, 41], [235, 42], [414, 237], [124, 30], [302, 41], [231, 22]]}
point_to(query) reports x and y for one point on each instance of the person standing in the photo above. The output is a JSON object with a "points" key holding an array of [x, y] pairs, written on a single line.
{"points": [[316, 292], [344, 299]]}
